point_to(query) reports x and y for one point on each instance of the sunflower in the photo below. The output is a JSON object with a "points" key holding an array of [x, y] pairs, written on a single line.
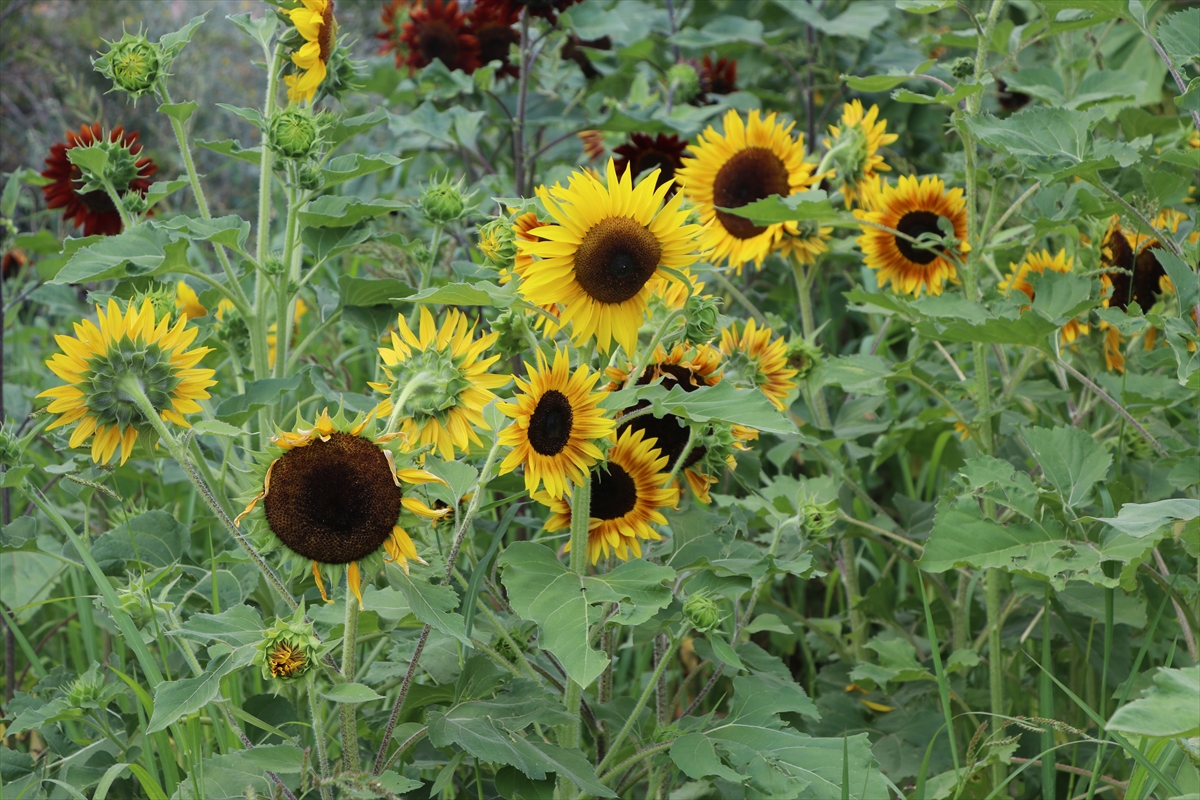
{"points": [[96, 360], [913, 208], [93, 211], [315, 23], [557, 422], [753, 357], [1134, 275], [752, 160], [436, 29], [600, 258], [593, 144], [643, 153], [188, 302], [1018, 280], [627, 494], [546, 9], [716, 77], [333, 495], [806, 242], [861, 136], [455, 383], [522, 228], [492, 27]]}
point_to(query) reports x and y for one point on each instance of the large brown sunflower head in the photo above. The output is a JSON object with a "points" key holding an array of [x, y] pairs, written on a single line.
{"points": [[93, 210], [492, 25], [1134, 271], [643, 153], [437, 29]]}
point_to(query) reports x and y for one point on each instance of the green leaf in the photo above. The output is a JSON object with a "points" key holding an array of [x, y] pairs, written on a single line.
{"points": [[180, 112], [481, 293], [721, 30], [230, 231], [237, 409], [260, 29], [372, 291], [154, 538], [1057, 141], [337, 211], [724, 653], [1146, 519], [961, 92], [141, 251], [326, 243], [228, 147], [810, 206], [237, 626], [1187, 284], [444, 126], [857, 21], [345, 129], [1070, 460], [1168, 709], [161, 189], [727, 403], [923, 6], [175, 699], [897, 663], [351, 693], [355, 165], [214, 427], [1180, 36], [175, 41], [544, 591], [860, 374], [93, 159], [226, 777], [695, 755], [1060, 297], [432, 604], [460, 476], [876, 83], [640, 587]]}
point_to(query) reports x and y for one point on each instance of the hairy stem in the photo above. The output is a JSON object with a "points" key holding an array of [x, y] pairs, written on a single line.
{"points": [[347, 710], [318, 735]]}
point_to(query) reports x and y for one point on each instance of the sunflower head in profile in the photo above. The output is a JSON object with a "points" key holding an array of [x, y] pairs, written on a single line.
{"points": [[333, 495], [752, 160], [93, 210], [643, 153], [855, 145], [452, 382], [558, 422], [914, 208], [316, 25], [627, 493], [754, 358], [1038, 263], [600, 257], [437, 30], [98, 360]]}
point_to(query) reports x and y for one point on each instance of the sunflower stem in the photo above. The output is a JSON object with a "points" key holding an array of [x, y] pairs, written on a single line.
{"points": [[283, 299], [737, 295], [581, 506], [347, 710], [804, 280], [648, 353], [318, 734], [518, 139], [126, 218], [683, 454], [422, 379]]}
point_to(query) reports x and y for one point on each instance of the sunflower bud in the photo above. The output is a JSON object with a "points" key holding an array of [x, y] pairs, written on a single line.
{"points": [[161, 297], [288, 648], [997, 171], [443, 201], [702, 612], [294, 133], [87, 691], [10, 448], [513, 329], [273, 264], [685, 80], [135, 600], [135, 203], [963, 68], [497, 242], [700, 312], [803, 356], [816, 518], [133, 64], [309, 177]]}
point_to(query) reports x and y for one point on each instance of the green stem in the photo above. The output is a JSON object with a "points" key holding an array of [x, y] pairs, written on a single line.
{"points": [[283, 299], [347, 710], [1046, 702], [319, 735], [126, 218], [804, 278], [737, 295], [683, 454], [581, 504], [427, 271], [421, 380], [648, 353], [858, 620]]}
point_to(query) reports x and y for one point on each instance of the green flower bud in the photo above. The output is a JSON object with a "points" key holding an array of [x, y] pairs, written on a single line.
{"points": [[497, 242], [103, 162], [273, 264], [513, 328], [87, 691], [520, 637], [997, 171], [288, 648], [133, 64], [700, 312], [10, 448], [963, 68], [816, 518], [803, 356], [135, 203], [162, 297], [294, 133], [702, 612], [443, 201], [685, 80], [309, 177]]}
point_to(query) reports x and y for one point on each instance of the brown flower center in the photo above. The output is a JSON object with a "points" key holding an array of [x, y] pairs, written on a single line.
{"points": [[616, 258], [436, 39], [752, 174], [913, 224], [495, 41], [669, 431], [550, 423], [651, 160], [335, 501], [614, 494]]}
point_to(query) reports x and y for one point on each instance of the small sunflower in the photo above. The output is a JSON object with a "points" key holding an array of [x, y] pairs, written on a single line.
{"points": [[750, 161], [913, 208], [93, 211], [316, 24], [437, 29], [557, 423], [716, 77], [806, 242], [188, 302], [860, 136], [492, 27], [752, 357], [1134, 275], [601, 257], [333, 495], [643, 153], [593, 144], [522, 228], [673, 294], [627, 494], [456, 384], [1018, 280], [97, 359]]}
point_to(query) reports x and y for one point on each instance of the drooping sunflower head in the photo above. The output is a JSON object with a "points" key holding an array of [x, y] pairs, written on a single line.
{"points": [[448, 370], [643, 153], [599, 258], [915, 208], [437, 29], [333, 495], [751, 160], [855, 146], [88, 207], [1038, 263], [627, 493], [558, 423], [289, 648], [754, 358], [314, 21]]}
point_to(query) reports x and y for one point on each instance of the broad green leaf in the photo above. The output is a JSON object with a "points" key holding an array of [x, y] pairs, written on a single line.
{"points": [[337, 211], [237, 409], [721, 30], [215, 427], [1060, 297], [1187, 283], [640, 587], [175, 41], [860, 374], [1028, 329], [230, 231], [251, 115], [345, 129], [1146, 519], [355, 165], [161, 189], [1169, 708], [260, 29], [695, 755], [923, 6], [93, 159], [228, 147], [461, 477], [372, 291], [961, 92], [544, 591], [724, 653], [1051, 140], [326, 243], [876, 83], [1180, 36], [351, 693], [238, 626], [226, 777], [810, 206], [480, 293], [443, 126], [431, 603], [727, 403], [141, 251], [175, 699], [19, 535], [897, 663], [154, 538], [180, 112], [857, 21], [1070, 460]]}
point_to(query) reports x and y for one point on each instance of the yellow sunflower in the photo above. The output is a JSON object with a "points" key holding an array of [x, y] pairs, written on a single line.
{"points": [[557, 421], [627, 494], [673, 293], [453, 381], [522, 228], [600, 258], [314, 22], [1018, 280], [861, 136], [752, 160], [913, 208], [96, 360], [188, 302], [333, 495], [752, 357]]}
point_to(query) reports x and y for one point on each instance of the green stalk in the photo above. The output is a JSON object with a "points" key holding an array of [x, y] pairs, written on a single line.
{"points": [[421, 380], [347, 710], [126, 219], [858, 620], [283, 299], [581, 504], [1046, 703], [804, 278]]}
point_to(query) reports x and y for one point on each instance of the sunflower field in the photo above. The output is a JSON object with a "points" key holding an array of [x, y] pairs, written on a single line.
{"points": [[563, 399]]}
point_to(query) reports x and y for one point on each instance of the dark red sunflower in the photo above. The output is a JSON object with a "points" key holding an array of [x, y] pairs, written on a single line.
{"points": [[437, 29], [12, 263], [546, 9], [492, 25], [573, 51], [92, 211], [393, 16], [643, 153], [719, 77], [1010, 99]]}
